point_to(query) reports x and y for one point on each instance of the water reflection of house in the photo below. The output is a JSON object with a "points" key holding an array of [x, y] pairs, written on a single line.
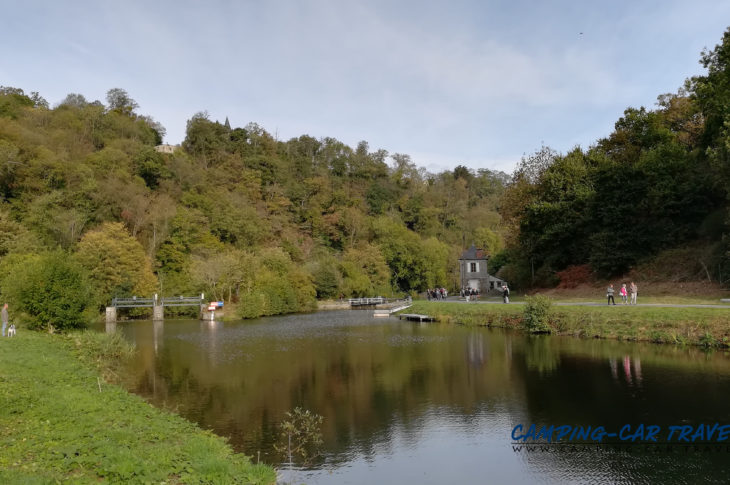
{"points": [[475, 349], [473, 271]]}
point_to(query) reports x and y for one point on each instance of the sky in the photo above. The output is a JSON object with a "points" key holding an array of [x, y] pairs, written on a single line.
{"points": [[478, 83]]}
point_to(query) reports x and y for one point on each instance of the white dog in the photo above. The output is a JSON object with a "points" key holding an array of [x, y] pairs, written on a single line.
{"points": [[11, 331]]}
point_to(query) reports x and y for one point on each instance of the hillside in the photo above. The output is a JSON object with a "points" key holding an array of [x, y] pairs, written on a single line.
{"points": [[90, 209], [659, 181], [233, 213]]}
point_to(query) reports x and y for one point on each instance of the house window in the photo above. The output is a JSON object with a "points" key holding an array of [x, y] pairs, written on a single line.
{"points": [[473, 267]]}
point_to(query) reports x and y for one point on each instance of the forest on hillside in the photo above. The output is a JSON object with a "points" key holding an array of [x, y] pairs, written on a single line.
{"points": [[90, 210], [657, 185], [234, 212]]}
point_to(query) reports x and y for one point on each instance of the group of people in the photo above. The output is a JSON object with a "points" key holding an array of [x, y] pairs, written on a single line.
{"points": [[469, 293], [437, 293], [625, 293]]}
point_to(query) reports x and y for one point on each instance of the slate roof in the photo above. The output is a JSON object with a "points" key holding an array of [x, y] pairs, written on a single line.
{"points": [[473, 253]]}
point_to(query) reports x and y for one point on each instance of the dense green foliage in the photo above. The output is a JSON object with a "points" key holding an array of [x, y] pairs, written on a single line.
{"points": [[50, 288], [116, 263], [659, 181], [233, 213], [61, 424], [536, 317]]}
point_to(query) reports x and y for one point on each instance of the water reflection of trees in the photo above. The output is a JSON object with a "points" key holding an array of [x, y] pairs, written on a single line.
{"points": [[375, 382], [611, 384], [540, 354], [363, 384]]}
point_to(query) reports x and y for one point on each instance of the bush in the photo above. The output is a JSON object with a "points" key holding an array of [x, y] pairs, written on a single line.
{"points": [[572, 276], [536, 317], [52, 289], [300, 436]]}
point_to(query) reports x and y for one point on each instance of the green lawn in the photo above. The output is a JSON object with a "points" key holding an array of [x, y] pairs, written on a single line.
{"points": [[696, 326], [60, 422], [658, 299]]}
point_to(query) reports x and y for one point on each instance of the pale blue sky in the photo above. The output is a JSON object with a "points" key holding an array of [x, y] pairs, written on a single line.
{"points": [[452, 82]]}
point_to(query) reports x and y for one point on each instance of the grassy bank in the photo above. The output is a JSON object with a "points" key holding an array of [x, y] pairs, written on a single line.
{"points": [[708, 327], [59, 421]]}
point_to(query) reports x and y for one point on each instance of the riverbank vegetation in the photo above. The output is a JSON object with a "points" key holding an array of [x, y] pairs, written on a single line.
{"points": [[242, 216], [60, 422], [708, 327]]}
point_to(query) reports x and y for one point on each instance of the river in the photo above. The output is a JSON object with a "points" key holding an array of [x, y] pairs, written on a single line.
{"points": [[429, 403]]}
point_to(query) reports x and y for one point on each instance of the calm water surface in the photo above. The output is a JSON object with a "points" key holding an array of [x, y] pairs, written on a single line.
{"points": [[428, 403]]}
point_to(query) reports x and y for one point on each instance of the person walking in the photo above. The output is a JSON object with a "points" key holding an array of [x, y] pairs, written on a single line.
{"points": [[624, 294], [505, 293], [634, 290], [4, 317], [609, 295]]}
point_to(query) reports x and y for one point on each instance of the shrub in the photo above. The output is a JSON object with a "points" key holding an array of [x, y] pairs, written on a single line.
{"points": [[572, 276], [300, 436], [536, 317], [52, 289]]}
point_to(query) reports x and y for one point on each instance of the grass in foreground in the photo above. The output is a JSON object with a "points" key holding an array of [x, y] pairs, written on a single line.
{"points": [[60, 422], [709, 327]]}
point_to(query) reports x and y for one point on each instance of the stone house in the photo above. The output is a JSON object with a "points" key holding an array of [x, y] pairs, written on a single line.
{"points": [[473, 271], [165, 148]]}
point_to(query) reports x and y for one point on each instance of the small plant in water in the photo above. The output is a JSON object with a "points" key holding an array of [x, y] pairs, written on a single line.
{"points": [[300, 436]]}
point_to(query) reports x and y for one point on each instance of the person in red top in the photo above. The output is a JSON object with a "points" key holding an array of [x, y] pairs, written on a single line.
{"points": [[624, 294]]}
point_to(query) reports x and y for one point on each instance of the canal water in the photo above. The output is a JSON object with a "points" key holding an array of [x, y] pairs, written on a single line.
{"points": [[427, 403]]}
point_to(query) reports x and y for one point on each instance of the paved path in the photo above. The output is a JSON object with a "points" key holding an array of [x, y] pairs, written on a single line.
{"points": [[498, 301]]}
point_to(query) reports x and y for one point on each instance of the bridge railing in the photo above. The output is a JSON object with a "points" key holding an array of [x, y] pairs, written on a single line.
{"points": [[135, 302], [366, 301], [375, 301], [182, 301]]}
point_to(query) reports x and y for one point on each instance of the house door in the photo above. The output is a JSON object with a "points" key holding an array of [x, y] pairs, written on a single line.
{"points": [[474, 284]]}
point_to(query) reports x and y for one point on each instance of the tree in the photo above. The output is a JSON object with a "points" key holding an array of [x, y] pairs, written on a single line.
{"points": [[116, 262], [150, 165], [463, 172], [156, 126], [74, 100], [532, 167], [204, 139], [712, 94], [118, 100], [275, 285], [218, 274], [12, 101]]}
